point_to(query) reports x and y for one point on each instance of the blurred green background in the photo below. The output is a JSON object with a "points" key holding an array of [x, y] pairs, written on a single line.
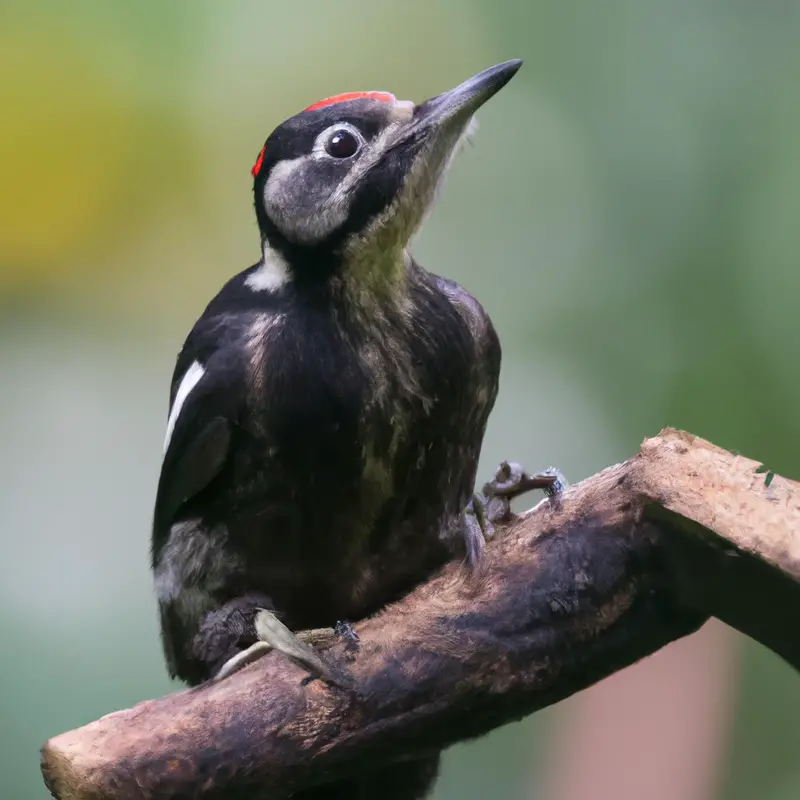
{"points": [[628, 215]]}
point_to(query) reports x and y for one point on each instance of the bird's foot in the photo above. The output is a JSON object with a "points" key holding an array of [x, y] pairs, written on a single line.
{"points": [[345, 630], [299, 647], [492, 504], [511, 481]]}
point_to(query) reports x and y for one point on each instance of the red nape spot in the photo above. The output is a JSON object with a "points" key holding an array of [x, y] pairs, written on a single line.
{"points": [[384, 97], [259, 161]]}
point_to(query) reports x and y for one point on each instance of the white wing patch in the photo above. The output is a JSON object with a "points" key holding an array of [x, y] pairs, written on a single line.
{"points": [[189, 381]]}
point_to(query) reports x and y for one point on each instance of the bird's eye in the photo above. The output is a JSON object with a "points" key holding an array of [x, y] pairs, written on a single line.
{"points": [[342, 144]]}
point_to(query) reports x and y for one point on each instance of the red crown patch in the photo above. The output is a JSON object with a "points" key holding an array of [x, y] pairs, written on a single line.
{"points": [[385, 97]]}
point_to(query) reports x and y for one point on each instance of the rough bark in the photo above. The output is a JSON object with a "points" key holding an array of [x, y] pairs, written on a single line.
{"points": [[583, 585]]}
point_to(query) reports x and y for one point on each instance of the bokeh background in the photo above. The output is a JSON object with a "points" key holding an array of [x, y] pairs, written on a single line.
{"points": [[628, 215]]}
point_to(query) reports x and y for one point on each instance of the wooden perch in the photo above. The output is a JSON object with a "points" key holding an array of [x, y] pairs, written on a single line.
{"points": [[623, 563]]}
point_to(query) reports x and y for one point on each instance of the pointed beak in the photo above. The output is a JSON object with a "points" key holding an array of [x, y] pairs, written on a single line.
{"points": [[459, 104], [424, 143]]}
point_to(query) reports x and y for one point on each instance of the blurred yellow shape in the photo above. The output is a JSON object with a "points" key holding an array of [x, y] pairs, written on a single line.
{"points": [[68, 136]]}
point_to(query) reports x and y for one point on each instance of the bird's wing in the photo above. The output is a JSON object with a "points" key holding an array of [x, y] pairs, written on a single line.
{"points": [[478, 389], [205, 405], [486, 372]]}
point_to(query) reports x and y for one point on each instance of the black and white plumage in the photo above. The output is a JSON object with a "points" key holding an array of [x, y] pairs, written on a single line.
{"points": [[328, 408]]}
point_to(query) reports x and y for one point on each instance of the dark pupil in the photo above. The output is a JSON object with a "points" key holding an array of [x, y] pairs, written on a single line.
{"points": [[342, 144]]}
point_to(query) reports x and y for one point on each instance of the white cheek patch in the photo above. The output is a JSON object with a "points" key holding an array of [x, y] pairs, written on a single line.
{"points": [[190, 380], [300, 215]]}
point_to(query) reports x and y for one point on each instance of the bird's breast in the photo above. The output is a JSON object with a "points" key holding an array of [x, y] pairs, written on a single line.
{"points": [[323, 467]]}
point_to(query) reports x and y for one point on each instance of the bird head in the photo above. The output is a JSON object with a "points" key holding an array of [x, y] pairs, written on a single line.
{"points": [[347, 182]]}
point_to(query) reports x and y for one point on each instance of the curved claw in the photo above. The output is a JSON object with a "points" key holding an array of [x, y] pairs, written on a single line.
{"points": [[559, 483], [345, 630]]}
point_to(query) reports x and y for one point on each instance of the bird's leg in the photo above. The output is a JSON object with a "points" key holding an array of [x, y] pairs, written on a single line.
{"points": [[493, 503], [299, 647]]}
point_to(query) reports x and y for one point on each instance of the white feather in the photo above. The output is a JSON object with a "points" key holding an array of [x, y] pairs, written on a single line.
{"points": [[272, 273], [188, 383]]}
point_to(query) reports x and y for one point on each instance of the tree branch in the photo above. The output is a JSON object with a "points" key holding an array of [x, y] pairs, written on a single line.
{"points": [[581, 586]]}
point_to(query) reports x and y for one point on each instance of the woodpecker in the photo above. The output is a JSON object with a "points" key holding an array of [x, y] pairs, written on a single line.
{"points": [[327, 410]]}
